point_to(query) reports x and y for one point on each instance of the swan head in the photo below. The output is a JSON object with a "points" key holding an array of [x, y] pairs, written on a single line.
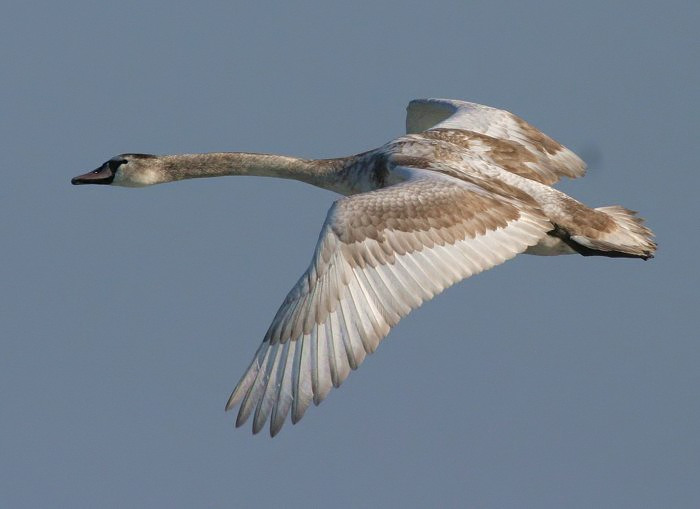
{"points": [[126, 170]]}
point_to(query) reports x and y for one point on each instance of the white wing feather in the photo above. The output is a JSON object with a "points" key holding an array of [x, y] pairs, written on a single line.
{"points": [[425, 114], [377, 258]]}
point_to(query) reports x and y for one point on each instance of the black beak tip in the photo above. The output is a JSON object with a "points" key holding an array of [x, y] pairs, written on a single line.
{"points": [[75, 181]]}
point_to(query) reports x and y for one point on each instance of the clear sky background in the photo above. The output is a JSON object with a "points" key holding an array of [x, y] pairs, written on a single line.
{"points": [[127, 316]]}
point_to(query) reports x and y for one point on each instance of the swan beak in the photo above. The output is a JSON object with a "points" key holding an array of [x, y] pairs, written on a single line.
{"points": [[102, 175]]}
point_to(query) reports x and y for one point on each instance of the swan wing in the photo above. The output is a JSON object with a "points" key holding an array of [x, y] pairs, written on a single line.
{"points": [[547, 158], [380, 255]]}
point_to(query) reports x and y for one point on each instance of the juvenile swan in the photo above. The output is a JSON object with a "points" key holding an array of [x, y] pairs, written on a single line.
{"points": [[466, 189]]}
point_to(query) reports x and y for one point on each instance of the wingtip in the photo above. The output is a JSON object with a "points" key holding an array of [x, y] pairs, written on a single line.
{"points": [[274, 429], [241, 419]]}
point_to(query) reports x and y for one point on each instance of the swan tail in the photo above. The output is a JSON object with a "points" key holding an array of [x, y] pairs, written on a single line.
{"points": [[626, 236]]}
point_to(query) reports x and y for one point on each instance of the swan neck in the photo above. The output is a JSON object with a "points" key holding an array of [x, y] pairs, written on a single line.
{"points": [[218, 164]]}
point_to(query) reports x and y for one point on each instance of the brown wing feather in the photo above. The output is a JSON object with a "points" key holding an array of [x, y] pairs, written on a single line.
{"points": [[509, 141], [380, 255]]}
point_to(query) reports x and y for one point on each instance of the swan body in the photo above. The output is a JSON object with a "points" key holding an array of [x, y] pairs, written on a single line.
{"points": [[467, 188]]}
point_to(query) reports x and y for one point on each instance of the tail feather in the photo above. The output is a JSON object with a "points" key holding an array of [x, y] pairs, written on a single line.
{"points": [[629, 238]]}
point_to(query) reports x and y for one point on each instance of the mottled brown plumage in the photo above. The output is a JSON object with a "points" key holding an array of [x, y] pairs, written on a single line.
{"points": [[466, 189]]}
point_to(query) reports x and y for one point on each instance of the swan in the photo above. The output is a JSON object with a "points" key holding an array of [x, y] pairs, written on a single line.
{"points": [[467, 188]]}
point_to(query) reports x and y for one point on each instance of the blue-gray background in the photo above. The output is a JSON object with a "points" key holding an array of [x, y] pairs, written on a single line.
{"points": [[128, 315]]}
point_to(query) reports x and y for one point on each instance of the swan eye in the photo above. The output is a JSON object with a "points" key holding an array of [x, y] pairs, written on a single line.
{"points": [[113, 165]]}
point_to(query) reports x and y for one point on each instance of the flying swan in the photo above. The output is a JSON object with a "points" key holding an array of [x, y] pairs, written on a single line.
{"points": [[467, 188]]}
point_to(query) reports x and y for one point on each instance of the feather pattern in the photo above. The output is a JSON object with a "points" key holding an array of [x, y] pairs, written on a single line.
{"points": [[467, 188], [501, 136], [463, 230]]}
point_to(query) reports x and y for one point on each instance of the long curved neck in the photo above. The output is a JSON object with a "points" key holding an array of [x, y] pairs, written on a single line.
{"points": [[322, 173]]}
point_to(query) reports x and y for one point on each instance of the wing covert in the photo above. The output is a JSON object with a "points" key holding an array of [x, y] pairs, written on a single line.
{"points": [[379, 255], [549, 158]]}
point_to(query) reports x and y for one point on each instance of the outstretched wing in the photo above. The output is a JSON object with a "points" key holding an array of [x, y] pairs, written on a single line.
{"points": [[546, 157], [379, 255]]}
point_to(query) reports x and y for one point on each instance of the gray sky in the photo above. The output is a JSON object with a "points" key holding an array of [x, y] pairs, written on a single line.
{"points": [[128, 315]]}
